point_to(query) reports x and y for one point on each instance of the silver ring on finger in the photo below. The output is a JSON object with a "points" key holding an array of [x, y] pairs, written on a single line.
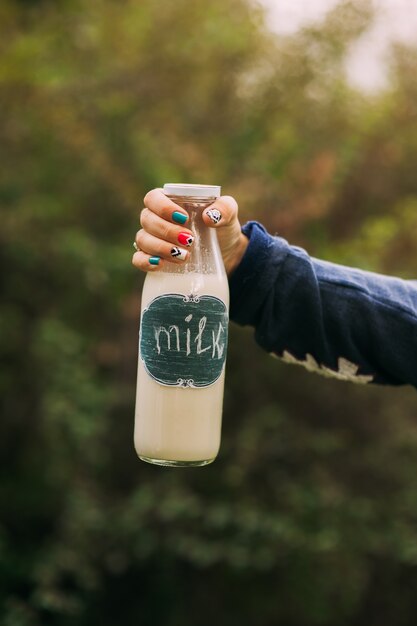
{"points": [[135, 245]]}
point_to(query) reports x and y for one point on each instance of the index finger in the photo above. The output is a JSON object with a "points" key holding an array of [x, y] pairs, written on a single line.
{"points": [[157, 202]]}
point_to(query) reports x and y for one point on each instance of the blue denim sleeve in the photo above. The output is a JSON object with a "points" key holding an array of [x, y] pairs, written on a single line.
{"points": [[338, 321]]}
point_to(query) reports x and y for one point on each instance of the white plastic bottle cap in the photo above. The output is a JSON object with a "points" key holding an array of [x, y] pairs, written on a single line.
{"points": [[187, 190]]}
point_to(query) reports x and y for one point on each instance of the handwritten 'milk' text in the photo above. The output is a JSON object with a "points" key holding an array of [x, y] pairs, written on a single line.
{"points": [[175, 338]]}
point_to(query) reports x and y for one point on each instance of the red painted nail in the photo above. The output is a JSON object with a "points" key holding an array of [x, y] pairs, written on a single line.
{"points": [[186, 239]]}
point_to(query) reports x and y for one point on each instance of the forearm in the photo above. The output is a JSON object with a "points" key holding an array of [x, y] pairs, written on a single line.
{"points": [[351, 324]]}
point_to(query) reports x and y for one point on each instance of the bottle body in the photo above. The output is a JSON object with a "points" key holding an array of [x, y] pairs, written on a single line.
{"points": [[182, 352]]}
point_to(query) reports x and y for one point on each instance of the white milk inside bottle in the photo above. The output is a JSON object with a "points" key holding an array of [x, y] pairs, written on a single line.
{"points": [[182, 347]]}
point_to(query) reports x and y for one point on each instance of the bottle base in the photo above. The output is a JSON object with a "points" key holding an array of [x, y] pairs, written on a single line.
{"points": [[172, 463]]}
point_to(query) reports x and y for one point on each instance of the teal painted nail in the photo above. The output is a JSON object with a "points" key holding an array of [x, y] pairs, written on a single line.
{"points": [[178, 217], [154, 260]]}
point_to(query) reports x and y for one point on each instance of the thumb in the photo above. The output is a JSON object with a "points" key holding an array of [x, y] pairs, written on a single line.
{"points": [[222, 212]]}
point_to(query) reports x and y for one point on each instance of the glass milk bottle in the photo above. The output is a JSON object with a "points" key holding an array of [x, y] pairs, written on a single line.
{"points": [[182, 346]]}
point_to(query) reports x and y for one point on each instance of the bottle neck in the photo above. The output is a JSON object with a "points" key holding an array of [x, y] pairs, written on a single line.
{"points": [[205, 256]]}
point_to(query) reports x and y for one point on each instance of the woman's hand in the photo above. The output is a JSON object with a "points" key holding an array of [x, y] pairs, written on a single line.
{"points": [[164, 236]]}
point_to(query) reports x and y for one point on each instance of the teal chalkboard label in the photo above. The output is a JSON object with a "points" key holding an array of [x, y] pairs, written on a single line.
{"points": [[183, 339]]}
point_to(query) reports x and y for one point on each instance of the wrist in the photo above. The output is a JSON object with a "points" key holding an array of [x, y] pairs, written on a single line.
{"points": [[239, 250]]}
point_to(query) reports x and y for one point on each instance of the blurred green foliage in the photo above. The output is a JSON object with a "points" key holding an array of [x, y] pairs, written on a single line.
{"points": [[309, 515]]}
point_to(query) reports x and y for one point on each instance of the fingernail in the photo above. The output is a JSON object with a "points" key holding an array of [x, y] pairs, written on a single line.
{"points": [[154, 260], [186, 239], [214, 215], [179, 218], [178, 253]]}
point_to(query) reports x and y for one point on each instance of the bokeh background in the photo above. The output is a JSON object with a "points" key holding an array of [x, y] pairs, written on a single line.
{"points": [[309, 515]]}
